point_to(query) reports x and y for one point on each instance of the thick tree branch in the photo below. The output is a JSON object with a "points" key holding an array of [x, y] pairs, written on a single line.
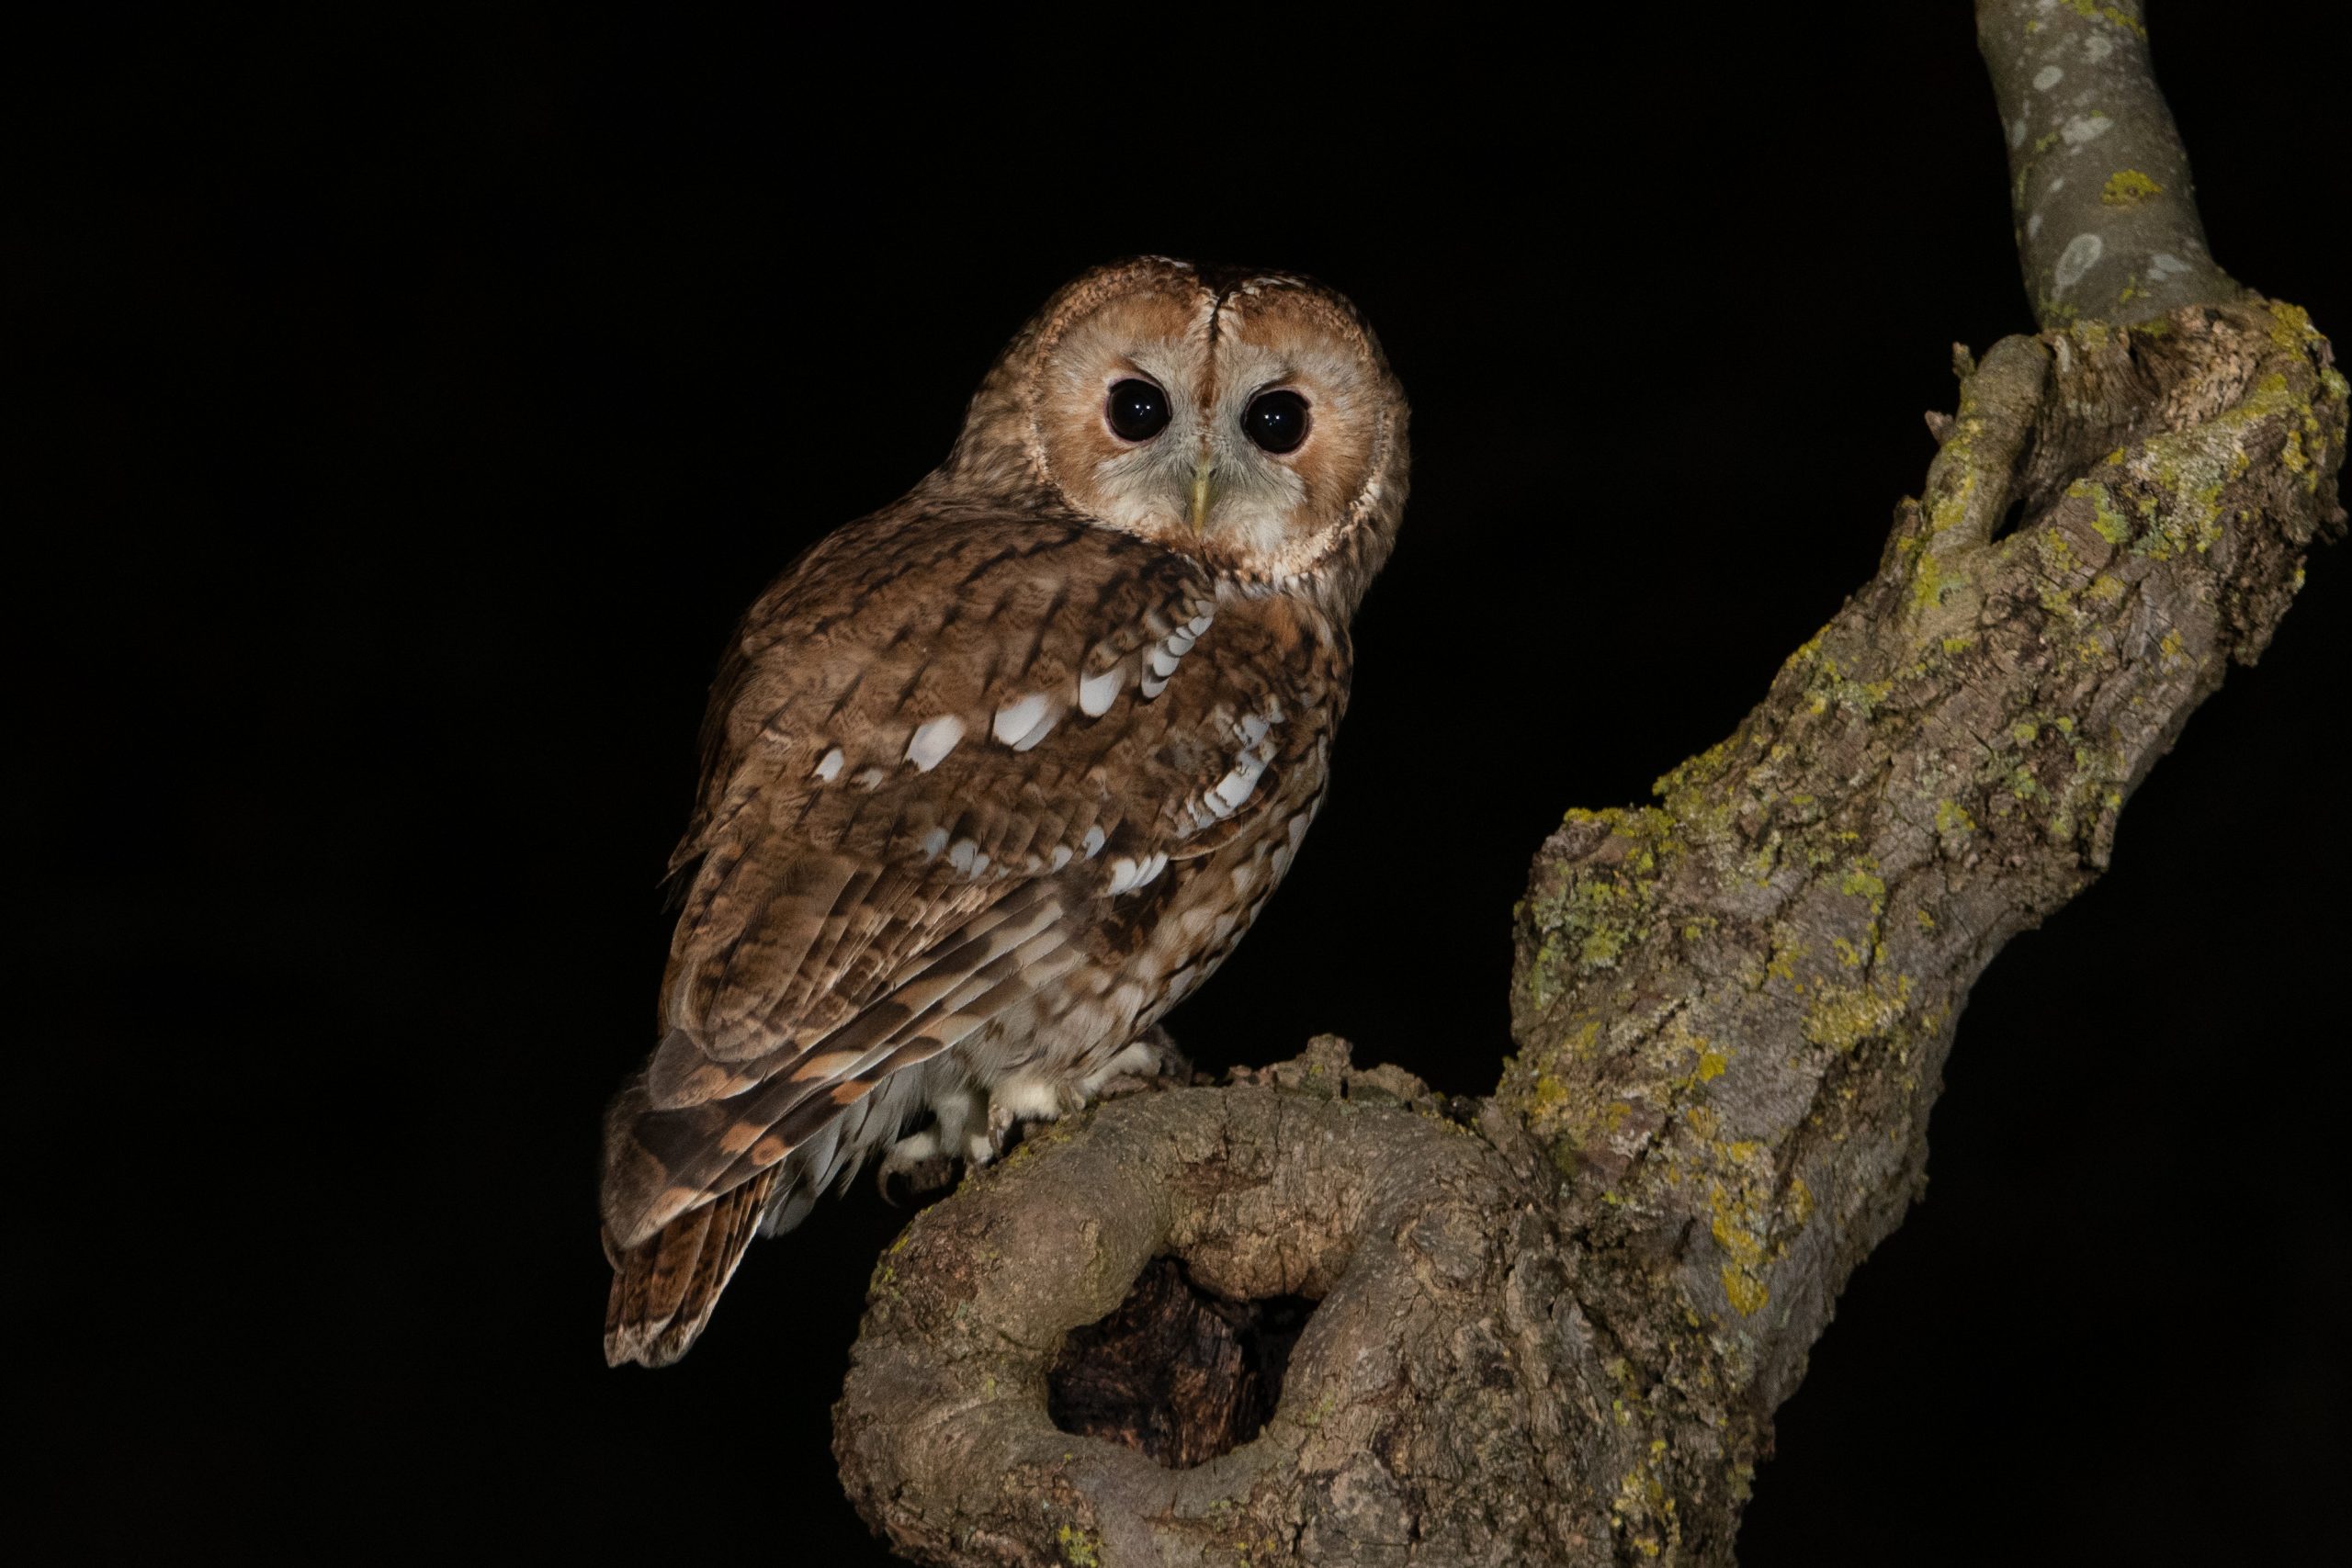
{"points": [[1553, 1327], [1433, 1379], [1734, 1004]]}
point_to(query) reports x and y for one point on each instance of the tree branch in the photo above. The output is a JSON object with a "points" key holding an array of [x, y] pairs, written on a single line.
{"points": [[1431, 1380], [2107, 223], [1553, 1327], [1734, 1004]]}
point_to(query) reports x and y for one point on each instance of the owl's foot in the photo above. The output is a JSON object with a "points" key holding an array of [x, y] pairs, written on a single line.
{"points": [[920, 1163], [1017, 1103], [1151, 1061]]}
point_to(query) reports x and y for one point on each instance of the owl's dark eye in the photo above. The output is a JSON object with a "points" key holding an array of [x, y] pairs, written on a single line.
{"points": [[1136, 410], [1275, 421]]}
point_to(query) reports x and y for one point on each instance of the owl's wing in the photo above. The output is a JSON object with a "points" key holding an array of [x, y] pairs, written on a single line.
{"points": [[947, 753]]}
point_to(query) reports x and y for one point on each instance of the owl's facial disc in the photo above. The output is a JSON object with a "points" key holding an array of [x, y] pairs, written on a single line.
{"points": [[1240, 426]]}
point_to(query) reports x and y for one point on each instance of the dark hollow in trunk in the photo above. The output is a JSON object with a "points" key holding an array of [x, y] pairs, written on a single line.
{"points": [[1177, 1372]]}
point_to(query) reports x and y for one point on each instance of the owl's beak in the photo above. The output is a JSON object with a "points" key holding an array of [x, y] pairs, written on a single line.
{"points": [[1203, 492]]}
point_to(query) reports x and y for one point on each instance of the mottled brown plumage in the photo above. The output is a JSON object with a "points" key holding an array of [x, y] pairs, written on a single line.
{"points": [[997, 775]]}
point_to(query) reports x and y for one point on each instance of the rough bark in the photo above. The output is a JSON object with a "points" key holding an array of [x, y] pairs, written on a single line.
{"points": [[1552, 1325]]}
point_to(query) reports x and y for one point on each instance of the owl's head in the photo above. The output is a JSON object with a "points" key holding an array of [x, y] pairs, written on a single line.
{"points": [[1246, 419]]}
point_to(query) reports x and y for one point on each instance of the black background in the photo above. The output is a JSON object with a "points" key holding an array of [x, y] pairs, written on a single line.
{"points": [[418, 404]]}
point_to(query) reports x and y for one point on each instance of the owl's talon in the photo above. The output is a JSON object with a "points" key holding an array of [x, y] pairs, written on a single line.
{"points": [[1151, 1061], [920, 1162], [1002, 1126], [1140, 1083]]}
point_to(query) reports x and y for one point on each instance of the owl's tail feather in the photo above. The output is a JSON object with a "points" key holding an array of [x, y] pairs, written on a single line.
{"points": [[663, 1289]]}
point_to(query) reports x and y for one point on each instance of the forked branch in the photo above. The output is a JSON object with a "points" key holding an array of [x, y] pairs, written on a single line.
{"points": [[1554, 1326]]}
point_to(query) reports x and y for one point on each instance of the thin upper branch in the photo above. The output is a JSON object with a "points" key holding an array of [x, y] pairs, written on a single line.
{"points": [[2107, 216]]}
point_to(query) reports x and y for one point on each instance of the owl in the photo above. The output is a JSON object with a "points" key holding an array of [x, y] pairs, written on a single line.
{"points": [[997, 775]]}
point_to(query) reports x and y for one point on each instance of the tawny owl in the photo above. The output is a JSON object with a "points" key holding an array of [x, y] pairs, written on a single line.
{"points": [[997, 775]]}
